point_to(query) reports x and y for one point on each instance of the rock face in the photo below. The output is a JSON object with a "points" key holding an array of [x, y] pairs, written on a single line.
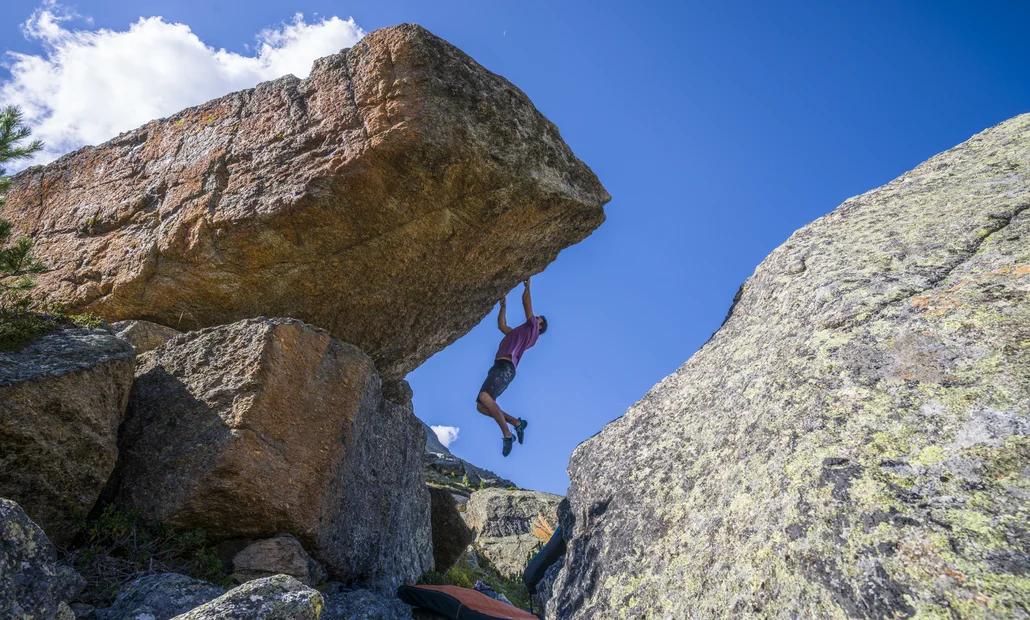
{"points": [[32, 584], [391, 197], [281, 555], [450, 534], [280, 597], [158, 597], [504, 522], [267, 426], [61, 401], [143, 335], [853, 440]]}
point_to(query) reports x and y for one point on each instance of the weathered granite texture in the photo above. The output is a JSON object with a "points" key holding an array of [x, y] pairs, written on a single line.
{"points": [[390, 197], [32, 583], [853, 441], [61, 400], [279, 597], [158, 597], [503, 522], [270, 426]]}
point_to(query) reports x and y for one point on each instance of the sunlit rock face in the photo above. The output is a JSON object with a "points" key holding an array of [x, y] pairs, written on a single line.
{"points": [[853, 441], [390, 197]]}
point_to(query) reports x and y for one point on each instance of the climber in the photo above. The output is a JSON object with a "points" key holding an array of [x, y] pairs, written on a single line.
{"points": [[513, 345]]}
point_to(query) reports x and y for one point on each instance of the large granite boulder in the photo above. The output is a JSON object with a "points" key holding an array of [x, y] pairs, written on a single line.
{"points": [[280, 555], [279, 597], [267, 426], [61, 400], [32, 583], [390, 197], [158, 597], [508, 523], [451, 536], [853, 442]]}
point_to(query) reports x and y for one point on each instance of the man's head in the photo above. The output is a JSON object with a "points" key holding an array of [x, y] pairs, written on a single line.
{"points": [[541, 322]]}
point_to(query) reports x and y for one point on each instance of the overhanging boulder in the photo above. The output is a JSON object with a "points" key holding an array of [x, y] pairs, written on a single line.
{"points": [[390, 197]]}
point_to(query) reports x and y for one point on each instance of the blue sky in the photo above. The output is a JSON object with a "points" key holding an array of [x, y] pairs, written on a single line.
{"points": [[719, 128]]}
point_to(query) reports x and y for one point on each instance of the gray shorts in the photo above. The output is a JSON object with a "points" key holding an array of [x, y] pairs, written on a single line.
{"points": [[497, 380]]}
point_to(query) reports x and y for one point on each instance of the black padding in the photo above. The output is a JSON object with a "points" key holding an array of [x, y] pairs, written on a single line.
{"points": [[551, 553]]}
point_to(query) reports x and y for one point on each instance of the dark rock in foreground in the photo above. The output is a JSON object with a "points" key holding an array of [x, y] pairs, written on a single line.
{"points": [[61, 400], [280, 597], [267, 426], [342, 603], [391, 197], [853, 442], [32, 584], [158, 597]]}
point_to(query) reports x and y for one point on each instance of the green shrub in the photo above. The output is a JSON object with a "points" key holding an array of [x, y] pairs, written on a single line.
{"points": [[24, 321], [116, 548]]}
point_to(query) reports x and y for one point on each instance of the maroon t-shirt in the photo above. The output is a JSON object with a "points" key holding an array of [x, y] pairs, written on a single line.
{"points": [[516, 341]]}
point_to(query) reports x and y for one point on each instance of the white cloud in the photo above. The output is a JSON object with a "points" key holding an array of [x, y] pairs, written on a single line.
{"points": [[90, 85], [446, 434]]}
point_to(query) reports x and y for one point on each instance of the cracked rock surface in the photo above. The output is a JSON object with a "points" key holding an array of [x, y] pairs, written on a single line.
{"points": [[390, 197], [270, 426], [853, 441]]}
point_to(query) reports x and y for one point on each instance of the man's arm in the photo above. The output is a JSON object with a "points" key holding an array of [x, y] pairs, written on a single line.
{"points": [[502, 322], [527, 301]]}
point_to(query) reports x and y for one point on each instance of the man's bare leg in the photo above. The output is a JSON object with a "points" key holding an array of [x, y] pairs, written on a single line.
{"points": [[488, 407]]}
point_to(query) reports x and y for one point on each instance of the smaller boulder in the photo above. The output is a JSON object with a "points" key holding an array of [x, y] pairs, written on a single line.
{"points": [[32, 583], [344, 603], [450, 534], [143, 335], [281, 555], [280, 597], [62, 398], [158, 597]]}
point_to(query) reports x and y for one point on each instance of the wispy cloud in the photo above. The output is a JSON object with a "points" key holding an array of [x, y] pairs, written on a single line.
{"points": [[88, 85], [446, 434]]}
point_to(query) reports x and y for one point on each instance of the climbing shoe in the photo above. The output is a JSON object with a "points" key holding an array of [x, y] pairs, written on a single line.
{"points": [[520, 429], [506, 450]]}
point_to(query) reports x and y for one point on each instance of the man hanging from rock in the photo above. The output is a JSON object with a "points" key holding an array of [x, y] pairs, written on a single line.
{"points": [[513, 345]]}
